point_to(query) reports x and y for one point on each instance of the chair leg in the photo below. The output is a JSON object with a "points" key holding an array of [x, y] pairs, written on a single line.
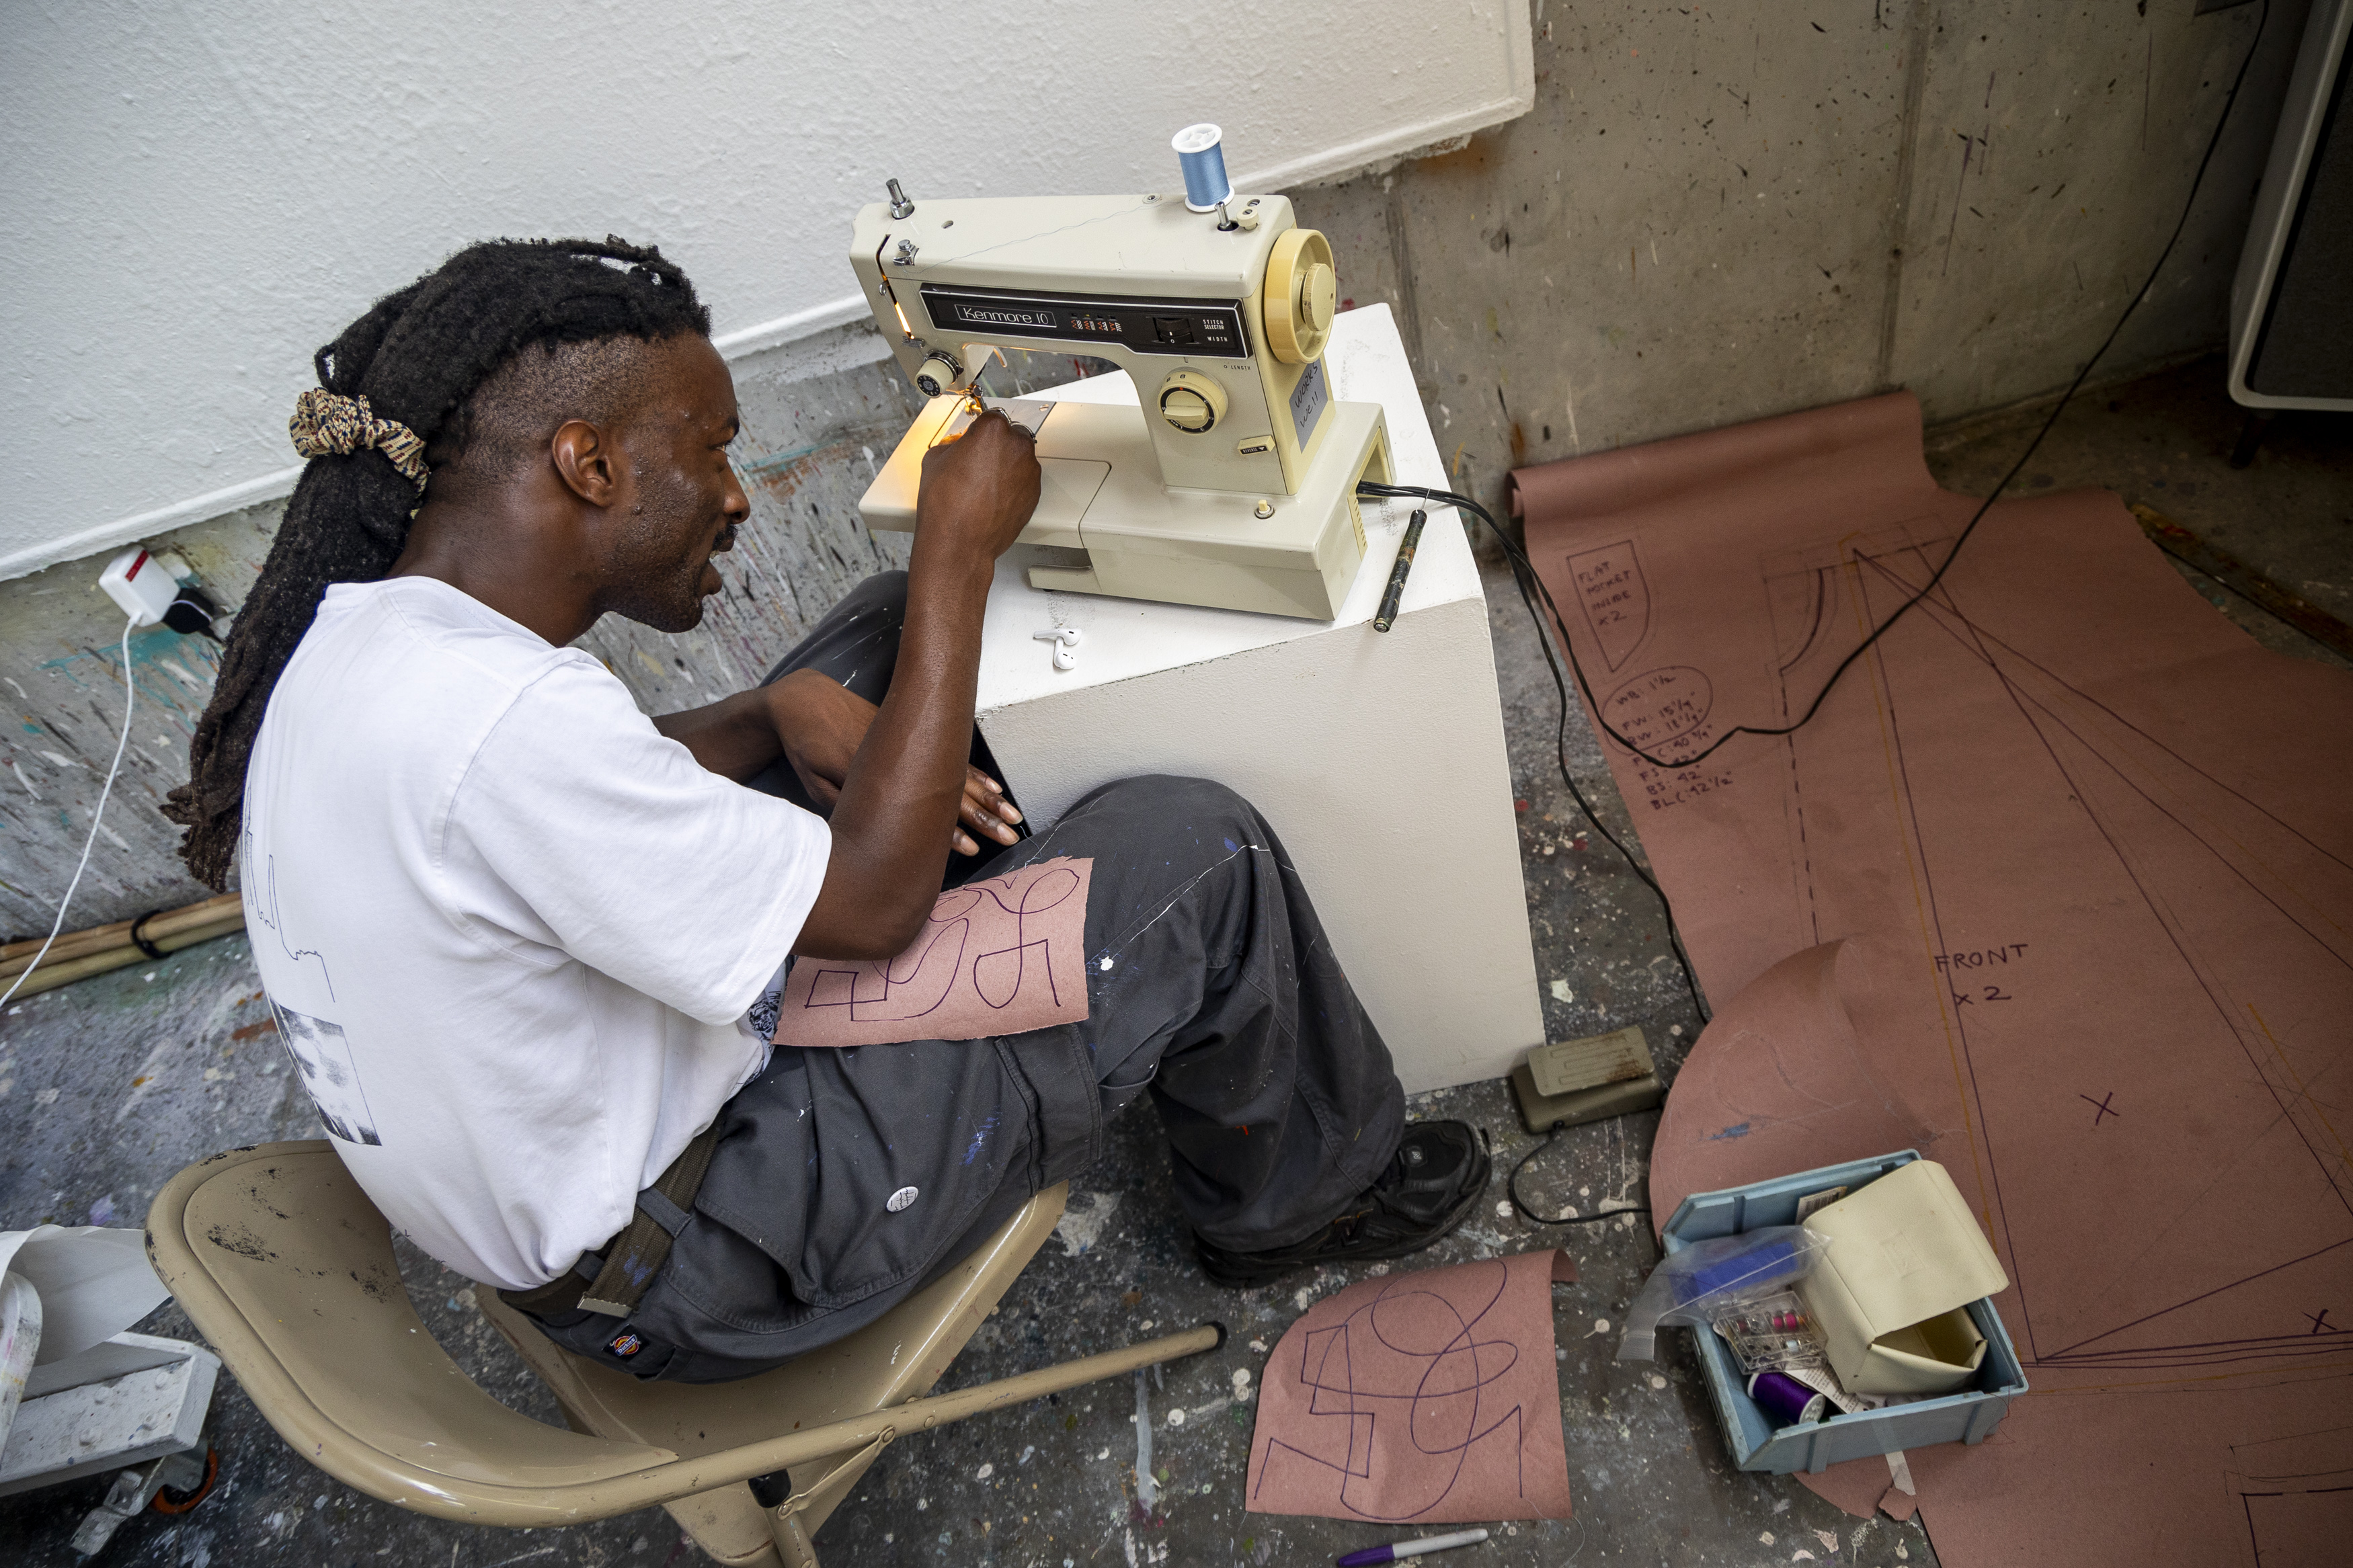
{"points": [[815, 1503], [2251, 436], [793, 1543], [793, 1520]]}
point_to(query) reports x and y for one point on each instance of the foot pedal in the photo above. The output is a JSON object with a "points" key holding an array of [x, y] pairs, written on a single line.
{"points": [[1570, 1082]]}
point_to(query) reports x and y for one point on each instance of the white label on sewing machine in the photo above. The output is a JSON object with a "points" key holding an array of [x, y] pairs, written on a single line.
{"points": [[1308, 400]]}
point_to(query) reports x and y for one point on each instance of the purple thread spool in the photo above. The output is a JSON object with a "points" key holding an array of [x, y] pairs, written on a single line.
{"points": [[1785, 1400]]}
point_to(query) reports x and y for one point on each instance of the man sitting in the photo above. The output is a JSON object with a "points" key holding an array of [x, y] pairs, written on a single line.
{"points": [[517, 934]]}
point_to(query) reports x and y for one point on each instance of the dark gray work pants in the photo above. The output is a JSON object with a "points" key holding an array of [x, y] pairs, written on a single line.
{"points": [[1209, 983]]}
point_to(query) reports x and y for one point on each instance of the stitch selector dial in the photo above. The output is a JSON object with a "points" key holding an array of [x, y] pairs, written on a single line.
{"points": [[1192, 402]]}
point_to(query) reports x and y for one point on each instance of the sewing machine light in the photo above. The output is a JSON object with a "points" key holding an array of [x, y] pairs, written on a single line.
{"points": [[1201, 155]]}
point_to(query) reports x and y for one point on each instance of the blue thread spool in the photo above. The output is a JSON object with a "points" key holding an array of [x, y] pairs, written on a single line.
{"points": [[1200, 153]]}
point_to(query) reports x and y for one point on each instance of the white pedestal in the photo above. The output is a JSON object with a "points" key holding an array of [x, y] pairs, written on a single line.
{"points": [[1378, 758]]}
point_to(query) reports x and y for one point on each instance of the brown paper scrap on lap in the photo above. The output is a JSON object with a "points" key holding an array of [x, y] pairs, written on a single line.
{"points": [[999, 956], [1424, 1397], [2086, 855]]}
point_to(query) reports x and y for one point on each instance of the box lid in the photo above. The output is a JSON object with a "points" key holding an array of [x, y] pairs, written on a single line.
{"points": [[1902, 1250]]}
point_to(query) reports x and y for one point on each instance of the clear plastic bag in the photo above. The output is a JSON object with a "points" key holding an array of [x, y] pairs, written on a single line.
{"points": [[1693, 1286]]}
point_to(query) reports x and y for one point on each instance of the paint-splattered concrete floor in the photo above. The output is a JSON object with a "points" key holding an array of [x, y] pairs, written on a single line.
{"points": [[109, 1086]]}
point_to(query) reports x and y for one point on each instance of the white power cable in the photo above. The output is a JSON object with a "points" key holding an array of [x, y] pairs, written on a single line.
{"points": [[129, 701]]}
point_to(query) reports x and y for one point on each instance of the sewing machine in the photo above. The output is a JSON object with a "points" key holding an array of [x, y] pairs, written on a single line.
{"points": [[1233, 482]]}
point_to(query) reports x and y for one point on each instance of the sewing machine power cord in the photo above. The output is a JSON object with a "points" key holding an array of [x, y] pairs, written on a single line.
{"points": [[97, 815], [1524, 576], [1511, 1186]]}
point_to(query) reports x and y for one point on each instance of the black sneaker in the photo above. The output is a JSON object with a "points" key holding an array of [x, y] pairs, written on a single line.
{"points": [[1432, 1183]]}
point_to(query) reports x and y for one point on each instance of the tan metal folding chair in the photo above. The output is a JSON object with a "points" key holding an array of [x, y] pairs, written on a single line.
{"points": [[280, 1260]]}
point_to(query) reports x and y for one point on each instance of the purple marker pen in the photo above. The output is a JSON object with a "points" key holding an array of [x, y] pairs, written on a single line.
{"points": [[1398, 1550]]}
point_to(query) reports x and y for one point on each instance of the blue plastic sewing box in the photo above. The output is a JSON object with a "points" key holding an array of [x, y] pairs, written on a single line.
{"points": [[1967, 1416]]}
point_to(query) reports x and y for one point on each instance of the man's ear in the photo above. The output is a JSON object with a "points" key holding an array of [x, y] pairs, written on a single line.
{"points": [[588, 461]]}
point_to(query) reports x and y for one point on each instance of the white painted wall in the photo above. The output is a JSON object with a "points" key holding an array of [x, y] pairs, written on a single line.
{"points": [[198, 195]]}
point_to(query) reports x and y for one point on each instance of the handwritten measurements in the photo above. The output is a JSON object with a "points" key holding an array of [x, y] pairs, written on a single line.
{"points": [[1661, 705], [1665, 787]]}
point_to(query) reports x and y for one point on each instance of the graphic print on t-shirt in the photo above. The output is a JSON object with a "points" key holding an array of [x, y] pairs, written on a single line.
{"points": [[324, 1055]]}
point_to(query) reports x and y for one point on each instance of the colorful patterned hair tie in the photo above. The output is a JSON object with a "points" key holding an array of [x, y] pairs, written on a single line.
{"points": [[328, 422]]}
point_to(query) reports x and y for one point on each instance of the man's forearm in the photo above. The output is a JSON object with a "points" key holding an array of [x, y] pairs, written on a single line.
{"points": [[903, 790], [734, 737]]}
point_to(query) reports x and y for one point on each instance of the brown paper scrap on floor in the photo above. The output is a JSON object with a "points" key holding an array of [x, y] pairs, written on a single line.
{"points": [[2057, 889], [1425, 1397], [1002, 956]]}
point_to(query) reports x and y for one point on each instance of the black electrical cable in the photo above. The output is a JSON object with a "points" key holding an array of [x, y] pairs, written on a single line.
{"points": [[1511, 1186], [1522, 575], [2189, 202]]}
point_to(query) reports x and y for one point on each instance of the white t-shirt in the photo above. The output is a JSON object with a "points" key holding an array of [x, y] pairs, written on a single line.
{"points": [[509, 932]]}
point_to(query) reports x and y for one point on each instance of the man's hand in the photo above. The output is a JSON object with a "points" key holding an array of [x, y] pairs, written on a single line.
{"points": [[821, 724], [977, 491]]}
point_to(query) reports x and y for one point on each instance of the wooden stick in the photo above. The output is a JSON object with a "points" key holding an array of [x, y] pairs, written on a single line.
{"points": [[184, 933], [52, 975], [98, 939], [117, 934]]}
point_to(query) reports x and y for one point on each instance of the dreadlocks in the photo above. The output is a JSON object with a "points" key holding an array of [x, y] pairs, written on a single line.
{"points": [[472, 357]]}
